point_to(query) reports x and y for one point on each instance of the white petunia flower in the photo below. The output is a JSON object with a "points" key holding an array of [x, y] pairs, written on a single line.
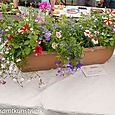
{"points": [[95, 41], [9, 27], [21, 79], [18, 60], [6, 52], [6, 30], [27, 20], [87, 33], [54, 45], [15, 80], [3, 66], [31, 29]]}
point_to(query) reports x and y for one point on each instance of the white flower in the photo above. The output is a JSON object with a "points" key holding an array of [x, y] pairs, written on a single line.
{"points": [[20, 31], [8, 62], [6, 52], [6, 30], [58, 34], [15, 80], [31, 29], [21, 79], [108, 21], [36, 20], [0, 39], [18, 14], [18, 60], [95, 41], [9, 27], [54, 45], [3, 66], [96, 32], [3, 59], [27, 20], [87, 33], [102, 33], [38, 41]]}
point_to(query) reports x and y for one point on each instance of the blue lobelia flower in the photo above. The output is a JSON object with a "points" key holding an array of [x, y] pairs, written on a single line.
{"points": [[79, 65], [3, 32]]}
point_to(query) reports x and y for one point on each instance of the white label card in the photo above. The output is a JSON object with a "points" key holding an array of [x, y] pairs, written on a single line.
{"points": [[93, 70]]}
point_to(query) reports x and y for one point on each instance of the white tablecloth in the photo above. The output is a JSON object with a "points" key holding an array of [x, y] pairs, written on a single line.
{"points": [[80, 95], [74, 94], [14, 96]]}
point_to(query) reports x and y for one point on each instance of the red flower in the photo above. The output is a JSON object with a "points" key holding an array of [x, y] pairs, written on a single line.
{"points": [[110, 12], [37, 50], [10, 37], [6, 46], [108, 21], [24, 28]]}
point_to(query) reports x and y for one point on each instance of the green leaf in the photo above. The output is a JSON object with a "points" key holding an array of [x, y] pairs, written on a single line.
{"points": [[18, 53], [112, 43], [27, 50], [16, 46], [27, 42], [35, 37], [23, 53]]}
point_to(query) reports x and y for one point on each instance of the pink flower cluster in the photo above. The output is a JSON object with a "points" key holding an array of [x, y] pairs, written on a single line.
{"points": [[44, 5]]}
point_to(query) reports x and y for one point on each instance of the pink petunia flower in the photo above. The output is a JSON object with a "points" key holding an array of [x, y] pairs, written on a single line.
{"points": [[44, 5], [58, 34]]}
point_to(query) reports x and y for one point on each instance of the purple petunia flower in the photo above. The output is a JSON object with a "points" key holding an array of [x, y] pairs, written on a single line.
{"points": [[47, 35], [73, 26], [80, 27], [69, 48], [68, 57], [60, 72], [69, 64], [79, 65], [47, 38], [55, 25], [72, 70], [58, 62], [3, 32]]}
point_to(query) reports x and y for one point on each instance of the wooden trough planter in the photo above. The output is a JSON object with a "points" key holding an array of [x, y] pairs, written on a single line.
{"points": [[96, 55], [45, 61]]}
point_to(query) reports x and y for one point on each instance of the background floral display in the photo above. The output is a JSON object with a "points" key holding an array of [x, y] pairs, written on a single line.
{"points": [[35, 31]]}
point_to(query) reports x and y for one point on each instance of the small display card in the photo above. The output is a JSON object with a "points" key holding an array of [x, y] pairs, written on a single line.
{"points": [[93, 70]]}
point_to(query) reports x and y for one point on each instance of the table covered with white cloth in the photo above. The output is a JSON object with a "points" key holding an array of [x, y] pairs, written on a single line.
{"points": [[13, 96], [81, 95], [75, 94]]}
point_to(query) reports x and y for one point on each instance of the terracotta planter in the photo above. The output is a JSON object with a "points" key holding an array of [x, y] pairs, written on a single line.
{"points": [[44, 61], [97, 55]]}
